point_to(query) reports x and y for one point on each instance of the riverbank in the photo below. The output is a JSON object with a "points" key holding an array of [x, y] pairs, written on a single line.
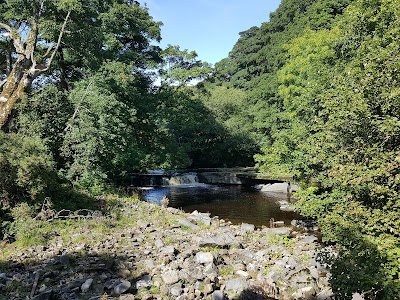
{"points": [[139, 250]]}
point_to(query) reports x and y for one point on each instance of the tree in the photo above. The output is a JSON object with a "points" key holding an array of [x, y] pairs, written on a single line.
{"points": [[181, 66], [80, 35]]}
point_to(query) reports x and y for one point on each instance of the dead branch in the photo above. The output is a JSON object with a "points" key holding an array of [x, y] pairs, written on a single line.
{"points": [[48, 63]]}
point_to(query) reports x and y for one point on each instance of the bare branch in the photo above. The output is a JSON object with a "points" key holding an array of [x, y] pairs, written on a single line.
{"points": [[48, 63], [48, 50], [41, 7], [71, 122]]}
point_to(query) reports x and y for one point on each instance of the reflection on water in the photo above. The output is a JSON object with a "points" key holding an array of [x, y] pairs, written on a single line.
{"points": [[234, 203]]}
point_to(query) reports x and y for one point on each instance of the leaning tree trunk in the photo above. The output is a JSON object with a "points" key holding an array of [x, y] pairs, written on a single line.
{"points": [[15, 87], [25, 69]]}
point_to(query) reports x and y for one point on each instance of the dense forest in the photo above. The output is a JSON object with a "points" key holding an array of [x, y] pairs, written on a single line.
{"points": [[314, 93]]}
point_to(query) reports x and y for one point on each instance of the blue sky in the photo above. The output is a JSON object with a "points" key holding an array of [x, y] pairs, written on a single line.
{"points": [[209, 27]]}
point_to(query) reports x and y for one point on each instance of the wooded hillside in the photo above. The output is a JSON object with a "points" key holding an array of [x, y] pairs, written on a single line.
{"points": [[322, 92]]}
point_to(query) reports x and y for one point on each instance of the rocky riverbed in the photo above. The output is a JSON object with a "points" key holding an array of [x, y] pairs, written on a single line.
{"points": [[164, 253]]}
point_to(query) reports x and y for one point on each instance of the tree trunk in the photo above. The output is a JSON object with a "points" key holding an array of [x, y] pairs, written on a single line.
{"points": [[17, 83], [25, 69], [9, 60]]}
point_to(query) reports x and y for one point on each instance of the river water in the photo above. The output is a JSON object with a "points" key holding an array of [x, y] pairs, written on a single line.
{"points": [[237, 204]]}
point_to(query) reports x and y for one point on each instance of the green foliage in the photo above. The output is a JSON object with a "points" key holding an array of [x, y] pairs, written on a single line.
{"points": [[322, 80], [180, 67], [26, 167], [25, 229], [229, 107], [45, 114]]}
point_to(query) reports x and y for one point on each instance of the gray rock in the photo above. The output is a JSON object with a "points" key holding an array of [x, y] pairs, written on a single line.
{"points": [[170, 277], [159, 243], [173, 210], [204, 258], [223, 240], [142, 224], [3, 278], [237, 284], [122, 287], [176, 290], [247, 227], [148, 264], [327, 295], [309, 239], [200, 218], [110, 284], [192, 274], [292, 263], [211, 270], [314, 273], [46, 295], [169, 250], [243, 274], [277, 231], [218, 295], [239, 266], [357, 296], [187, 223], [208, 289], [247, 256], [287, 208], [144, 282], [63, 259], [280, 188], [304, 293], [86, 285]]}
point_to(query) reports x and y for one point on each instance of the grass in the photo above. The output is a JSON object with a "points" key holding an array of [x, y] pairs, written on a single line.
{"points": [[226, 270], [30, 232]]}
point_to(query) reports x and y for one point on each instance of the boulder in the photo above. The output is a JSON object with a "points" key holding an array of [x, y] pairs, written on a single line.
{"points": [[277, 231], [218, 295], [236, 284], [186, 223], [143, 282], [247, 227], [122, 287], [223, 240], [170, 277], [45, 295], [204, 258]]}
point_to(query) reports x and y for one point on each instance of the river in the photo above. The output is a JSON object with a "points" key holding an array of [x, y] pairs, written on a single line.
{"points": [[237, 204]]}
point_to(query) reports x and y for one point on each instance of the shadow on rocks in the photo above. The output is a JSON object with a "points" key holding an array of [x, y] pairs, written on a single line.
{"points": [[70, 277], [255, 294]]}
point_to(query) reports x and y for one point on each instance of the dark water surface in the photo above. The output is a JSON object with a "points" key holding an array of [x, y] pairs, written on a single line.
{"points": [[233, 203]]}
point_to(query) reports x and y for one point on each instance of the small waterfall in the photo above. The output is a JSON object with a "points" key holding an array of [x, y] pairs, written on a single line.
{"points": [[188, 178]]}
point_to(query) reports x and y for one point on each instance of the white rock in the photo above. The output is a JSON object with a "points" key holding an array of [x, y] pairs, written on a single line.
{"points": [[204, 257], [170, 277], [86, 285], [243, 274]]}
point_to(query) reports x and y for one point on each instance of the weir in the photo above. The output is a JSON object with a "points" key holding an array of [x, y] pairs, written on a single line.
{"points": [[227, 176]]}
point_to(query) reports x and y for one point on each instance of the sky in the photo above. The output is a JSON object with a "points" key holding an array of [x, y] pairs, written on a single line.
{"points": [[209, 27]]}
